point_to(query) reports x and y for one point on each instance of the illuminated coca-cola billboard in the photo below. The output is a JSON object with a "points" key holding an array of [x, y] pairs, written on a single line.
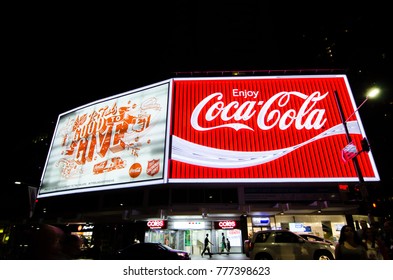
{"points": [[264, 129], [222, 129]]}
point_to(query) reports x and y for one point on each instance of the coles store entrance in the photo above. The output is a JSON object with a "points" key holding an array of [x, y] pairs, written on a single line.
{"points": [[190, 235]]}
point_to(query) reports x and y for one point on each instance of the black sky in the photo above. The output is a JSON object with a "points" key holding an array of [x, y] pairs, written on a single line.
{"points": [[58, 57]]}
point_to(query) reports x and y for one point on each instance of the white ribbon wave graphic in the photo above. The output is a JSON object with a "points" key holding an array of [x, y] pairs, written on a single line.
{"points": [[191, 153]]}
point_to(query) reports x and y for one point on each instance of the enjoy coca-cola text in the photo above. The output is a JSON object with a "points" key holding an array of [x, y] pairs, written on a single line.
{"points": [[308, 116]]}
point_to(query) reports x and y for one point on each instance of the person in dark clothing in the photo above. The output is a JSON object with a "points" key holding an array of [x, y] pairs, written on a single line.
{"points": [[349, 246], [223, 243], [228, 246], [387, 239], [206, 247]]}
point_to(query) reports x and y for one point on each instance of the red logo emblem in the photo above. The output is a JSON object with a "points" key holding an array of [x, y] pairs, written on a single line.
{"points": [[153, 166]]}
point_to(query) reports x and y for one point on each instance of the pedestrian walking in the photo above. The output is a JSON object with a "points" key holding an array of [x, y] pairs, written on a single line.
{"points": [[228, 246], [206, 247], [223, 243]]}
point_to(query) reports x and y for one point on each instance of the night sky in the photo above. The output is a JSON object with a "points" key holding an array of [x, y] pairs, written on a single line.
{"points": [[56, 58]]}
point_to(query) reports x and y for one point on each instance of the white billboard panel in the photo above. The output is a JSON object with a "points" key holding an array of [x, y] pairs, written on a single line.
{"points": [[116, 142]]}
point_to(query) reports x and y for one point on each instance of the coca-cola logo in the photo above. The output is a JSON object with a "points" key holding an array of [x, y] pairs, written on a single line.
{"points": [[308, 116], [135, 170], [227, 224], [155, 223]]}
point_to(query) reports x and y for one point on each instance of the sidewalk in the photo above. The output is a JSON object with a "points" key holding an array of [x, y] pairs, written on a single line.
{"points": [[231, 256]]}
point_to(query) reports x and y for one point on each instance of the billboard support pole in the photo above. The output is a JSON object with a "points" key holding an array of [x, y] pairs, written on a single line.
{"points": [[362, 186]]}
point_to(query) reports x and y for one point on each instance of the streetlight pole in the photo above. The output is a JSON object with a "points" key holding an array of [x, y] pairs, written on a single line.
{"points": [[349, 139], [371, 93]]}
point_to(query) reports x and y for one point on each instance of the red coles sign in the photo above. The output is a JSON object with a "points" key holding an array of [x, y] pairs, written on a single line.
{"points": [[156, 224], [226, 224]]}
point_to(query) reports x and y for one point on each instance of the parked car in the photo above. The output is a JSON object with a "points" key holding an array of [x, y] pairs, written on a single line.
{"points": [[312, 237], [150, 251], [287, 245]]}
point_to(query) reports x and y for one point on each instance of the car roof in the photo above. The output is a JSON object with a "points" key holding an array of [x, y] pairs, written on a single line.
{"points": [[274, 230], [150, 244], [265, 231]]}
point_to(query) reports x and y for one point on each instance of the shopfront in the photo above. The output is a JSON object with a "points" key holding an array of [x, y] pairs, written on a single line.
{"points": [[232, 232], [189, 234]]}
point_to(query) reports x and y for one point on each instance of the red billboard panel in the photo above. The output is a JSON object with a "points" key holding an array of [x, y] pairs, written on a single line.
{"points": [[264, 129], [118, 142]]}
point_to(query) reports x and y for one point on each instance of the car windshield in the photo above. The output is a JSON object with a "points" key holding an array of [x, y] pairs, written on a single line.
{"points": [[166, 247]]}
